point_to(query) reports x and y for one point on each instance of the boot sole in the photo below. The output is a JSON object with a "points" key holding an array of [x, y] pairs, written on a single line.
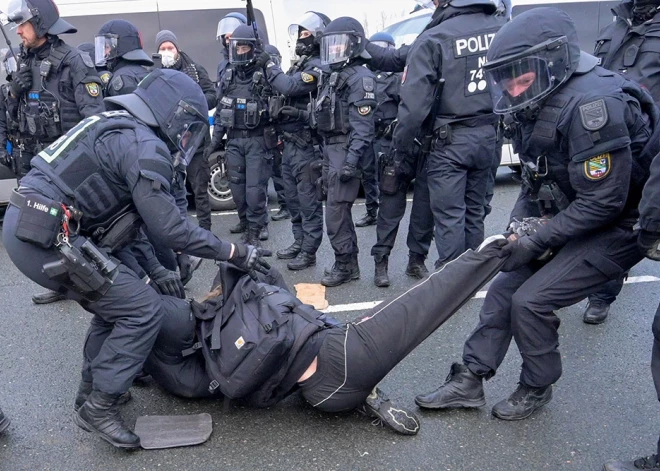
{"points": [[382, 285], [80, 422], [4, 424], [416, 275], [300, 268], [51, 300], [352, 278], [287, 257], [522, 417], [594, 321], [455, 404]]}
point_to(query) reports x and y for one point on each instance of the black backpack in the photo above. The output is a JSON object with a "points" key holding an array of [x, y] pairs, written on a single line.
{"points": [[250, 335]]}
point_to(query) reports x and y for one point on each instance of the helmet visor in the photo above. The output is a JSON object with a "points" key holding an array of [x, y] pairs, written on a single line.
{"points": [[428, 4], [521, 81], [105, 48], [14, 12], [336, 48], [241, 51], [187, 131], [227, 25], [383, 44], [309, 21]]}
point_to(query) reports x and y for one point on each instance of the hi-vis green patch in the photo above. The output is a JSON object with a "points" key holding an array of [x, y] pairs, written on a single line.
{"points": [[93, 89], [598, 167], [307, 78]]}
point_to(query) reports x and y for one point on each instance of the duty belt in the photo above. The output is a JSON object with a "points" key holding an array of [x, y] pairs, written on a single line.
{"points": [[245, 133], [338, 139]]}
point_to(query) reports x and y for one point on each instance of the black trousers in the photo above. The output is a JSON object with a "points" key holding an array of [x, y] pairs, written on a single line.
{"points": [[392, 209], [278, 178], [306, 210], [198, 174], [369, 166], [126, 319], [249, 166], [521, 304], [458, 173], [341, 196]]}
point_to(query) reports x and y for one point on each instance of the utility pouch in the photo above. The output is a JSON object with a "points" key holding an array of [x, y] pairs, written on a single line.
{"points": [[85, 270], [119, 233], [389, 183], [40, 221], [251, 114], [270, 137], [227, 118]]}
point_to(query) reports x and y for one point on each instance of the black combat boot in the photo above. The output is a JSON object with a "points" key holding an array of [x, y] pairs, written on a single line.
{"points": [[369, 218], [282, 214], [380, 277], [47, 297], [462, 388], [4, 421], [253, 235], [379, 406], [302, 261], [596, 312], [341, 273], [85, 389], [291, 251], [239, 228], [648, 463], [99, 414], [416, 267], [522, 403], [263, 234]]}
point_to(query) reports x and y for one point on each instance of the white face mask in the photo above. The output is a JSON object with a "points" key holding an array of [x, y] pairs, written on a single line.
{"points": [[168, 58]]}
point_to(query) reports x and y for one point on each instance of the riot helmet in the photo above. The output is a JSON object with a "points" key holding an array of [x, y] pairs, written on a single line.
{"points": [[42, 14], [119, 39], [174, 104], [342, 40], [495, 5], [242, 45], [306, 32], [274, 53], [89, 49], [228, 25], [644, 10], [383, 39], [530, 58]]}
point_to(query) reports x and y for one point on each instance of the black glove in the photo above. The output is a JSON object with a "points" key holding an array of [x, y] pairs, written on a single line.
{"points": [[648, 244], [5, 158], [519, 253], [249, 258], [527, 226], [187, 266], [21, 81], [294, 112], [261, 60], [348, 172], [167, 282], [403, 168]]}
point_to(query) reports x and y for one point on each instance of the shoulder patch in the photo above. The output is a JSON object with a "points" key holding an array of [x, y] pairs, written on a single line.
{"points": [[368, 84], [364, 110], [307, 78], [117, 83], [598, 167], [93, 89], [594, 115], [87, 59], [105, 77]]}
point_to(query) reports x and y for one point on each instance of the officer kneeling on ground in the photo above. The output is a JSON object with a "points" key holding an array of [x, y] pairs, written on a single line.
{"points": [[586, 137], [84, 199]]}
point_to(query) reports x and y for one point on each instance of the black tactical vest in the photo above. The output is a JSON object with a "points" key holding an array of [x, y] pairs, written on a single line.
{"points": [[73, 166], [332, 105], [244, 101]]}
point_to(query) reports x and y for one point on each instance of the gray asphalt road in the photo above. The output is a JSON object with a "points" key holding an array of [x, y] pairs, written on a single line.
{"points": [[604, 406]]}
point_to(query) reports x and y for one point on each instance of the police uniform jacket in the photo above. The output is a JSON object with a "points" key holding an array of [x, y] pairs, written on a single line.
{"points": [[125, 78], [595, 139], [632, 50]]}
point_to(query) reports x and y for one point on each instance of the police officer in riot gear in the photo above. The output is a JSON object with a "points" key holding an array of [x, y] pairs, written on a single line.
{"points": [[54, 86], [443, 85], [119, 49], [300, 164], [631, 46], [226, 27], [82, 202], [392, 200], [586, 137], [344, 112], [241, 112]]}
